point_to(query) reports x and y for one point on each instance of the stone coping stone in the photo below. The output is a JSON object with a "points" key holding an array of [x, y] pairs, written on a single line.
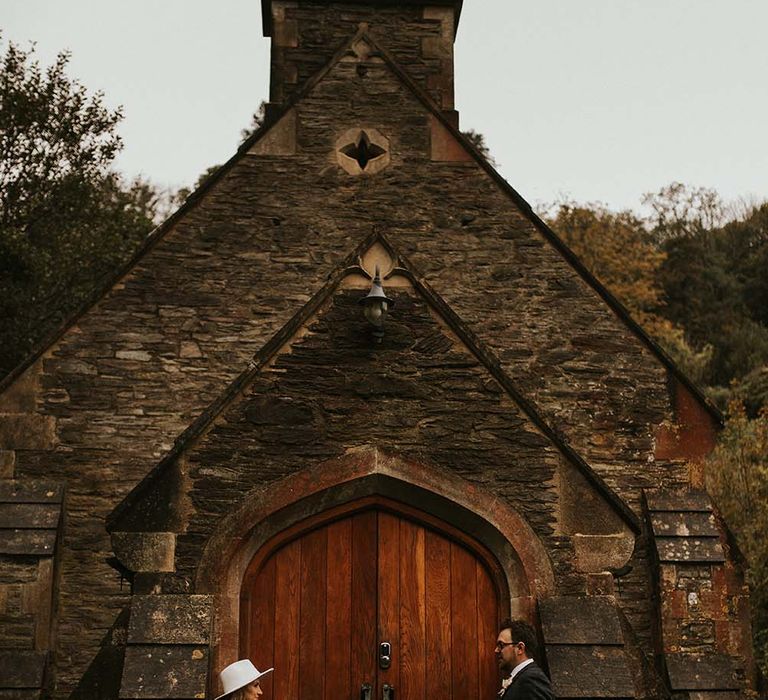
{"points": [[577, 620], [684, 524], [31, 491], [174, 672], [703, 672], [30, 516], [707, 550], [170, 619], [590, 672], [38, 543], [677, 501]]}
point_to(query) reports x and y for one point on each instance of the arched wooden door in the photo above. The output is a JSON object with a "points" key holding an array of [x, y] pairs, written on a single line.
{"points": [[319, 601]]}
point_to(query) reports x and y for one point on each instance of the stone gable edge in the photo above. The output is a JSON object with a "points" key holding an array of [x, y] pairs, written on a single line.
{"points": [[283, 337], [272, 119]]}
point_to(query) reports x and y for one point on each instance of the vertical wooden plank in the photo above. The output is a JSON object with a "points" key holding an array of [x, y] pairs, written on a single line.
{"points": [[362, 667], [464, 623], [389, 596], [412, 612], [287, 609], [487, 614], [311, 642], [262, 623], [338, 610], [437, 552]]}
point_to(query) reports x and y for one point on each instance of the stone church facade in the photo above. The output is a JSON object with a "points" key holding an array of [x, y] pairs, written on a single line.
{"points": [[221, 457]]}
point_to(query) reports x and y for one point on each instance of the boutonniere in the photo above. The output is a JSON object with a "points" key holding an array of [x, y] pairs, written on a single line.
{"points": [[505, 684]]}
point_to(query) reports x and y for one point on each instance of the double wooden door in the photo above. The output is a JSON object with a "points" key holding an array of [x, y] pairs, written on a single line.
{"points": [[320, 606]]}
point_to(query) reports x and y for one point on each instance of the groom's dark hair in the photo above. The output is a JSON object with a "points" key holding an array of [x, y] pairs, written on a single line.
{"points": [[521, 631]]}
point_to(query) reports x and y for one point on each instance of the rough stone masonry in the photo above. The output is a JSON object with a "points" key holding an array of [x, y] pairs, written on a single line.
{"points": [[231, 356]]}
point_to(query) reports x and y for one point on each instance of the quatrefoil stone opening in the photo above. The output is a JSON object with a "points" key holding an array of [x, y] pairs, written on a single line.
{"points": [[362, 151]]}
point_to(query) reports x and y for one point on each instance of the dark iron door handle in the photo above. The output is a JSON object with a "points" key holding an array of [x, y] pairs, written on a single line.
{"points": [[365, 691], [388, 692]]}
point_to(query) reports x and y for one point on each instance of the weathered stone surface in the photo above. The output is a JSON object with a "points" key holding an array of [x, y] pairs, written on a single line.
{"points": [[21, 669], [29, 515], [145, 551], [580, 620], [335, 388], [7, 464], [689, 500], [703, 672], [170, 619], [126, 381], [684, 524], [596, 553], [31, 491], [689, 549], [40, 543], [590, 672], [27, 431], [164, 672]]}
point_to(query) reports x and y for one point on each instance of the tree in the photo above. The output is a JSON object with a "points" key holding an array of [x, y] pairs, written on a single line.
{"points": [[66, 219], [679, 210], [478, 141], [737, 479], [257, 121], [715, 287]]}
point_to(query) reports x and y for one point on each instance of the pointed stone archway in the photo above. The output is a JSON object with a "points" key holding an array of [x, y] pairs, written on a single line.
{"points": [[439, 497]]}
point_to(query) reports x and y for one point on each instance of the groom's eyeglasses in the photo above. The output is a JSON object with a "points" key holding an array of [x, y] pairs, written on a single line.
{"points": [[501, 645]]}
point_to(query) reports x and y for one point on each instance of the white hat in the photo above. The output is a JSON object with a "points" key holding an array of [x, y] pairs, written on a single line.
{"points": [[238, 675]]}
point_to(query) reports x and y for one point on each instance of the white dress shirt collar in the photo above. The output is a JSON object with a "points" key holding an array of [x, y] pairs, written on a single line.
{"points": [[519, 668]]}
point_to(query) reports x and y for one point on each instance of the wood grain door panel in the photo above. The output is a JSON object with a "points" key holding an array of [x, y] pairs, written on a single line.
{"points": [[318, 606]]}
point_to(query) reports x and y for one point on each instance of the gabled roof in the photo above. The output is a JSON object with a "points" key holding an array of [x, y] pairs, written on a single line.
{"points": [[364, 34], [482, 353]]}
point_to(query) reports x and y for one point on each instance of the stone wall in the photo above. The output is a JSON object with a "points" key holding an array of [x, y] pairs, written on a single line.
{"points": [[306, 35], [121, 384]]}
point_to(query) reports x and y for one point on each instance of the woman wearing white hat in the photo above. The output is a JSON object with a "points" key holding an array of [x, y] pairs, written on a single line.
{"points": [[240, 681]]}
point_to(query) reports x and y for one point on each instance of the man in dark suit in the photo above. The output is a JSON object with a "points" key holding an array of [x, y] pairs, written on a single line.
{"points": [[515, 649]]}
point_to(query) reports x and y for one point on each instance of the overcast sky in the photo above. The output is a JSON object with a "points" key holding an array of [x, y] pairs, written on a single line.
{"points": [[598, 100]]}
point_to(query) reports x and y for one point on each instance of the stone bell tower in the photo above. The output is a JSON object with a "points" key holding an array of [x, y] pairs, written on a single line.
{"points": [[307, 33]]}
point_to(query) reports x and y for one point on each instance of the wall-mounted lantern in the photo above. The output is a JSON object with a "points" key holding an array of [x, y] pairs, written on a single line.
{"points": [[376, 306]]}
